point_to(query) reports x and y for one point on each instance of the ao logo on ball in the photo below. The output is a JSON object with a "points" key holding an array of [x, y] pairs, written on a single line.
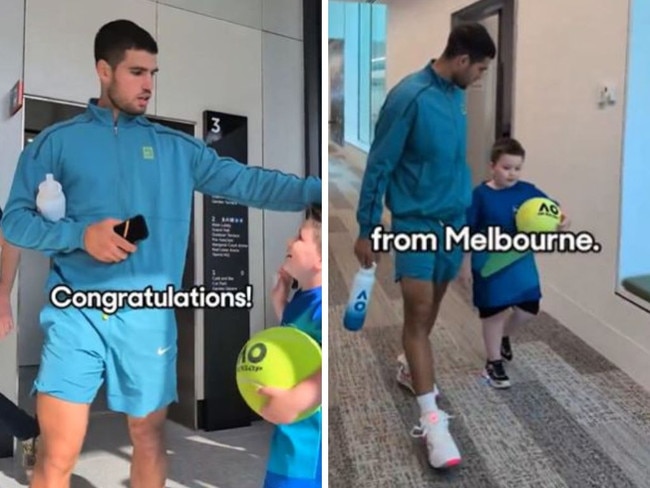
{"points": [[551, 210], [251, 357], [538, 215], [279, 357], [254, 354]]}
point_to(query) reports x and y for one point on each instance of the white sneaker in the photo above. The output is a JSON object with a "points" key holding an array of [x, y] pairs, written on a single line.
{"points": [[404, 376], [434, 427]]}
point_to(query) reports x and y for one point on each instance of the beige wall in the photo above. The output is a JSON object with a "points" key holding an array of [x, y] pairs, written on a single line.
{"points": [[417, 32], [11, 54], [574, 147]]}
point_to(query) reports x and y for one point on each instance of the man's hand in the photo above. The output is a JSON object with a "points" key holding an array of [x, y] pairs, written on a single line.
{"points": [[363, 251], [6, 317], [104, 244]]}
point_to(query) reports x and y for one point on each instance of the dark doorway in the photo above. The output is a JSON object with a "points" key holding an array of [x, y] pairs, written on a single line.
{"points": [[489, 101], [337, 93]]}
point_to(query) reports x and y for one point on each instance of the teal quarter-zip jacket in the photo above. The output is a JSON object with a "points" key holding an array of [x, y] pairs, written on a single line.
{"points": [[418, 155], [119, 169]]}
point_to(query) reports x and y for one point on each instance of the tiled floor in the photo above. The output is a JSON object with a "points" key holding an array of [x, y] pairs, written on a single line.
{"points": [[225, 459]]}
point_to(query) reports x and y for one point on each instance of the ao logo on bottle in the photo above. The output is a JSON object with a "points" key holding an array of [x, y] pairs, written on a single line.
{"points": [[361, 302]]}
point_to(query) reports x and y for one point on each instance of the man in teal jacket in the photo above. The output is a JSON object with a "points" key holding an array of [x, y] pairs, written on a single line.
{"points": [[114, 164], [418, 161]]}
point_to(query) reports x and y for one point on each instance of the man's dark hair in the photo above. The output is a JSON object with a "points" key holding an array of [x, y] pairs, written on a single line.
{"points": [[114, 38], [506, 145], [472, 39]]}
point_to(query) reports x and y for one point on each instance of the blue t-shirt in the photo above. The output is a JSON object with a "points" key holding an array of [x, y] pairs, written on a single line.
{"points": [[518, 282], [295, 454]]}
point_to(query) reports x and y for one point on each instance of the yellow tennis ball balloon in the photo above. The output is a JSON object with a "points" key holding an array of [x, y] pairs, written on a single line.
{"points": [[280, 357], [538, 215]]}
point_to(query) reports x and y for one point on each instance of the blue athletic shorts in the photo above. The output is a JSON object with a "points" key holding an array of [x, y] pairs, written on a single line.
{"points": [[134, 351], [439, 266]]}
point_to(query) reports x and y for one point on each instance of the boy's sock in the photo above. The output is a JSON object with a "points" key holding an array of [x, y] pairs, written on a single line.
{"points": [[427, 403], [506, 349]]}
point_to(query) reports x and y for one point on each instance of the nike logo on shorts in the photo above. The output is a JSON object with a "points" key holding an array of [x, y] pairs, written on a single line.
{"points": [[162, 351]]}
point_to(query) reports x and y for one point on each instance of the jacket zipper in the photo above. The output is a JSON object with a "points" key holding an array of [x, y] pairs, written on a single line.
{"points": [[121, 192], [120, 179]]}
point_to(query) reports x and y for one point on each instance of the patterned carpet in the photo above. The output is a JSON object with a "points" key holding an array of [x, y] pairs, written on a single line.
{"points": [[571, 418]]}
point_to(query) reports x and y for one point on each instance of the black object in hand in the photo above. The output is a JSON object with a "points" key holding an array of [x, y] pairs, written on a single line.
{"points": [[133, 230]]}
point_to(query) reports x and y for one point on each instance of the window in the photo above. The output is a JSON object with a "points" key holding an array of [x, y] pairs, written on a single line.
{"points": [[377, 64], [634, 243], [362, 28]]}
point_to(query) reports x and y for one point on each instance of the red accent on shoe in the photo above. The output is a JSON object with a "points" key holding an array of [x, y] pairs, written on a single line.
{"points": [[452, 462], [433, 416]]}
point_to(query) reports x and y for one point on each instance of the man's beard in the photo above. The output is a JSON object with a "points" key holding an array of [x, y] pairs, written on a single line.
{"points": [[120, 106], [459, 83]]}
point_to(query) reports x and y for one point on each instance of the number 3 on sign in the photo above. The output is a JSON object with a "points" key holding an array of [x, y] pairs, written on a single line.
{"points": [[216, 128]]}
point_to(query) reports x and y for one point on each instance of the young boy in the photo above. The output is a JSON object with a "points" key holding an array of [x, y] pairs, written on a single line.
{"points": [[295, 454], [510, 297]]}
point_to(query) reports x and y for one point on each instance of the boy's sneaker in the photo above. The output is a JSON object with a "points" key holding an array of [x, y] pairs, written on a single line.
{"points": [[442, 449], [29, 453], [404, 375], [506, 350], [496, 375]]}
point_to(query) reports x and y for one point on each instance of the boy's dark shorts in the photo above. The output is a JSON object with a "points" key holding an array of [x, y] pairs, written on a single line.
{"points": [[530, 307]]}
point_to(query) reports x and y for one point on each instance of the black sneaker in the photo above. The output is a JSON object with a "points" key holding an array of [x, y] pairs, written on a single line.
{"points": [[506, 350], [496, 375]]}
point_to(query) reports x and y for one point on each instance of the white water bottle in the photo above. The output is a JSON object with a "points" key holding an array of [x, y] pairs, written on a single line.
{"points": [[50, 200], [355, 312]]}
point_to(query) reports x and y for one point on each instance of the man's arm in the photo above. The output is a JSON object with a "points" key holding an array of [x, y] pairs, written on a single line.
{"points": [[392, 130], [22, 224], [251, 185], [9, 257]]}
